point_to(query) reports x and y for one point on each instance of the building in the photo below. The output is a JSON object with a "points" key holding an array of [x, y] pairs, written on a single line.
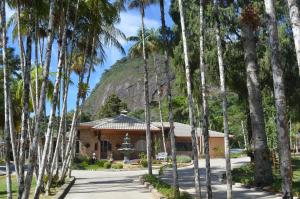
{"points": [[104, 137]]}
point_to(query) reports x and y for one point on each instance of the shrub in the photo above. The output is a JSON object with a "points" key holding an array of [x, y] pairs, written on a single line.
{"points": [[144, 163], [164, 188], [2, 161], [100, 163], [107, 165], [80, 159], [143, 159], [117, 166], [183, 159], [84, 164], [156, 162]]}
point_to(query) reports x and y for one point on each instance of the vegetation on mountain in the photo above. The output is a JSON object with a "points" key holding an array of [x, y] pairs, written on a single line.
{"points": [[113, 106]]}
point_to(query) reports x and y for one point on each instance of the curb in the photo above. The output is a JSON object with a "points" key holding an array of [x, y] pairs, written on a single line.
{"points": [[155, 193], [65, 189]]}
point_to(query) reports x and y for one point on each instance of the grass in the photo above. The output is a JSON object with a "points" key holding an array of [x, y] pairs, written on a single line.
{"points": [[238, 155], [245, 175], [53, 190], [164, 188], [14, 186]]}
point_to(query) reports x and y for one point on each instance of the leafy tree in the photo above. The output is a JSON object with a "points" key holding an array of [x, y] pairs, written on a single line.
{"points": [[112, 107]]}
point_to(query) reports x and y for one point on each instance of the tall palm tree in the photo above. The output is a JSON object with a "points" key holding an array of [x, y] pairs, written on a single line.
{"points": [[224, 99], [34, 145], [263, 167], [53, 106], [25, 104], [141, 4], [153, 46], [280, 102], [205, 122], [6, 101], [169, 97], [190, 102], [294, 12]]}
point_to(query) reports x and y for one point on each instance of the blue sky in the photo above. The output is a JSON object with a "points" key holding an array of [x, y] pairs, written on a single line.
{"points": [[129, 24]]}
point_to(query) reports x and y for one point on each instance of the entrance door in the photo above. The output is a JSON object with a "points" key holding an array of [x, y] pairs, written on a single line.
{"points": [[105, 148]]}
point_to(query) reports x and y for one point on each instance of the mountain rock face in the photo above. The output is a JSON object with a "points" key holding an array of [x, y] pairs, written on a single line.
{"points": [[126, 80]]}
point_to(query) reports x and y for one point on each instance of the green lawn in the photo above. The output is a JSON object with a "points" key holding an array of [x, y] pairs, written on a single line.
{"points": [[15, 188], [245, 175]]}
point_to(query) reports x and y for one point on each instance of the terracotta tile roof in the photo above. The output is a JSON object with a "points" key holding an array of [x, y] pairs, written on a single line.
{"points": [[119, 122], [184, 130]]}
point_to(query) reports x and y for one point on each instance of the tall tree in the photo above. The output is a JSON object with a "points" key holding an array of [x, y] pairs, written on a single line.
{"points": [[33, 148], [190, 102], [205, 122], [24, 142], [169, 97], [294, 12], [6, 100], [263, 167], [280, 102], [141, 4], [224, 99], [48, 136]]}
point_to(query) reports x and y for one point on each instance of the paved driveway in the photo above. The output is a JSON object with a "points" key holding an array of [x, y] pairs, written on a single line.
{"points": [[108, 185], [186, 181], [123, 184]]}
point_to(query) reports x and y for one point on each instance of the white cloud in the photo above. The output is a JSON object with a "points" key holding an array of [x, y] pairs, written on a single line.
{"points": [[131, 22]]}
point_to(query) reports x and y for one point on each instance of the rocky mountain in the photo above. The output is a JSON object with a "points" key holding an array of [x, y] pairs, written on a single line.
{"points": [[126, 79]]}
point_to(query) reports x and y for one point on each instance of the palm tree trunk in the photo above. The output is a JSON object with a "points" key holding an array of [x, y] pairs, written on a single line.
{"points": [[76, 115], [295, 21], [169, 99], [24, 142], [205, 122], [146, 95], [159, 104], [6, 102], [13, 136], [61, 59], [36, 62], [263, 166], [190, 102], [33, 148], [224, 101], [280, 102], [20, 41], [52, 116]]}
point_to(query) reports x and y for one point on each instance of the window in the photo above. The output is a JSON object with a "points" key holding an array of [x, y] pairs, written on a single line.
{"points": [[96, 146], [140, 145], [183, 146]]}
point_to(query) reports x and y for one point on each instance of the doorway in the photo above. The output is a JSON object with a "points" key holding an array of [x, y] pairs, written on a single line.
{"points": [[105, 149]]}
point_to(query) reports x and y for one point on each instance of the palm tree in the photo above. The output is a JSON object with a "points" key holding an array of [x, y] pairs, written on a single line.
{"points": [[33, 147], [141, 4], [280, 102], [295, 20], [224, 99], [205, 122], [169, 97], [49, 130], [263, 167], [6, 101], [25, 104], [190, 102]]}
